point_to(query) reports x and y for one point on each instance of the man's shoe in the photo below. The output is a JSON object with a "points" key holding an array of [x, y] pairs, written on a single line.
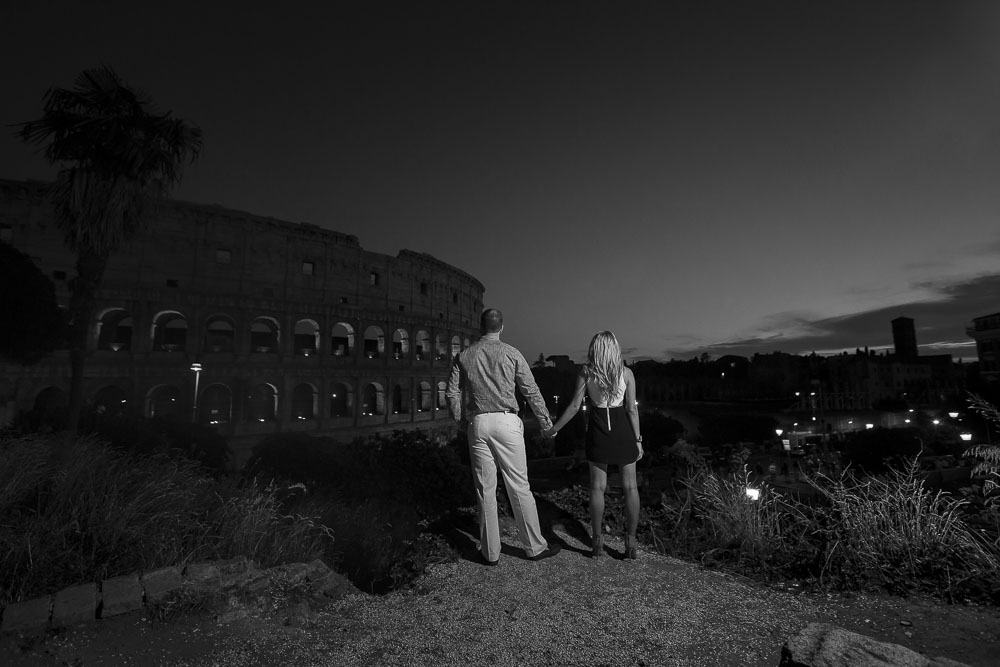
{"points": [[548, 553], [486, 561]]}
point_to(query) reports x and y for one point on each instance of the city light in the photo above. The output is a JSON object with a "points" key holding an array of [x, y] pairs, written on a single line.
{"points": [[753, 494], [966, 437]]}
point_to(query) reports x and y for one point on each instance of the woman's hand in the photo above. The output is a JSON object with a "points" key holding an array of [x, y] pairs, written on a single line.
{"points": [[550, 432], [639, 445]]}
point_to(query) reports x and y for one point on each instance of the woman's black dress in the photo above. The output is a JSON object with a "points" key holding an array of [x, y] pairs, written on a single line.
{"points": [[615, 445]]}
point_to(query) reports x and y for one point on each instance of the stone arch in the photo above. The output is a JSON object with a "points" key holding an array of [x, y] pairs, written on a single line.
{"points": [[341, 400], [304, 401], [215, 405], [306, 337], [262, 403], [50, 405], [440, 347], [114, 330], [265, 334], [169, 331], [425, 402], [342, 340], [400, 344], [110, 400], [442, 401], [164, 401], [374, 342], [422, 345], [220, 334], [373, 399], [400, 399]]}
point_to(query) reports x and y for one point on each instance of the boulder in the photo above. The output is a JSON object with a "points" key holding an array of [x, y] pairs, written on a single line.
{"points": [[825, 645]]}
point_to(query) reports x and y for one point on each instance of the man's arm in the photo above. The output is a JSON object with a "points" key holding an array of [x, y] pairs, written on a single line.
{"points": [[453, 394], [525, 383]]}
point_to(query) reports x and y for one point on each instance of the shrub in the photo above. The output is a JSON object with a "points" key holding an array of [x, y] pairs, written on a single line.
{"points": [[892, 533], [385, 496], [410, 467], [84, 512]]}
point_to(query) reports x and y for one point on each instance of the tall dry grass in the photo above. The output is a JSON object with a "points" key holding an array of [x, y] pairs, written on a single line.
{"points": [[86, 512], [892, 532]]}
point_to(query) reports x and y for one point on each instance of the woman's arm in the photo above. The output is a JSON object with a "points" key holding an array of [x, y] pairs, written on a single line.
{"points": [[630, 407], [572, 408]]}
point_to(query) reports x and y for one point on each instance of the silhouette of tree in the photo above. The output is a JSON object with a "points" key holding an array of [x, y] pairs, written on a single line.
{"points": [[33, 324], [117, 157]]}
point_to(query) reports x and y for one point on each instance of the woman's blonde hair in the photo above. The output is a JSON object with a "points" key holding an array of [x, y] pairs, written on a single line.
{"points": [[604, 362]]}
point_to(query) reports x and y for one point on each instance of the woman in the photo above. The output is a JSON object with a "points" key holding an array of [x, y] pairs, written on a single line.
{"points": [[612, 432]]}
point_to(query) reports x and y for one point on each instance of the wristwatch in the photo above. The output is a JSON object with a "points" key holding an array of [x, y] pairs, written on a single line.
{"points": [[639, 439]]}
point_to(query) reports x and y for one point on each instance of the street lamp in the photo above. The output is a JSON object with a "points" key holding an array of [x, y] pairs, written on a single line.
{"points": [[196, 367]]}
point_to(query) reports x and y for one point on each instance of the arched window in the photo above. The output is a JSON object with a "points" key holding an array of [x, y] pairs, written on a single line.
{"points": [[220, 334], [342, 340], [164, 401], [425, 403], [440, 347], [374, 342], [215, 405], [400, 344], [466, 342], [400, 400], [442, 402], [423, 346], [456, 346], [306, 337], [304, 401], [373, 400], [110, 400], [264, 335], [262, 403], [169, 331], [114, 330], [341, 400]]}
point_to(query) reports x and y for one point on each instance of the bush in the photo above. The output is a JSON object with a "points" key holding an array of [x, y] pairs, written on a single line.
{"points": [[385, 495], [893, 534], [88, 512], [410, 467]]}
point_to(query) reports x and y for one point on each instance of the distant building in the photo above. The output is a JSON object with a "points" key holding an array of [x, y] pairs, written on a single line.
{"points": [[829, 393], [985, 331], [296, 327]]}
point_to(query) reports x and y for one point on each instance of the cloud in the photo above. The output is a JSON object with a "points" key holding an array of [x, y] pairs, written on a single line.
{"points": [[940, 323]]}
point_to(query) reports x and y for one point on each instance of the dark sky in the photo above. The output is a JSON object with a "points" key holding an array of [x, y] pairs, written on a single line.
{"points": [[728, 177]]}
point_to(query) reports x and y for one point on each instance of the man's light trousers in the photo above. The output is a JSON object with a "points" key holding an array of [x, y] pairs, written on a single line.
{"points": [[496, 440]]}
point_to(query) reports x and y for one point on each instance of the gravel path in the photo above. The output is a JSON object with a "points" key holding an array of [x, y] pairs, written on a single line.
{"points": [[567, 610]]}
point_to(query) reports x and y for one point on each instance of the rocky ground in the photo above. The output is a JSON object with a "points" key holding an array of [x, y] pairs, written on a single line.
{"points": [[568, 610]]}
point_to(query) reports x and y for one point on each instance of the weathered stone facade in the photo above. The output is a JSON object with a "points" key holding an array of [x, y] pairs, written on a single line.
{"points": [[296, 327]]}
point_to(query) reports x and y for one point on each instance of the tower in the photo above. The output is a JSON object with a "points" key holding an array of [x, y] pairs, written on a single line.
{"points": [[904, 338]]}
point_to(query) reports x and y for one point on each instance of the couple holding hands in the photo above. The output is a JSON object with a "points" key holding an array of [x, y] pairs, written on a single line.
{"points": [[481, 399]]}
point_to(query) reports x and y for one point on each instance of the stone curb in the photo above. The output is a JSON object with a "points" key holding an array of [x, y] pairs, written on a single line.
{"points": [[95, 601]]}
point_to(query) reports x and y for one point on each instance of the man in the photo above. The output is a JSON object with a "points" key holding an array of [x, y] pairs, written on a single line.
{"points": [[481, 398]]}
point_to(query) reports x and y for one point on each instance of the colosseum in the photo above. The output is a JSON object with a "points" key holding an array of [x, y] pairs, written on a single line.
{"points": [[251, 325]]}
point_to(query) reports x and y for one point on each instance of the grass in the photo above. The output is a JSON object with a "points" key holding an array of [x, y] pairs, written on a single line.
{"points": [[88, 512]]}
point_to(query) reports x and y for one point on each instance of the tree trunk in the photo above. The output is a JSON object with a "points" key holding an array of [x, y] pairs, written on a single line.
{"points": [[90, 265]]}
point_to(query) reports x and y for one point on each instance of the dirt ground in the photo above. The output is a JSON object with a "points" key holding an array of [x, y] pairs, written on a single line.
{"points": [[966, 633]]}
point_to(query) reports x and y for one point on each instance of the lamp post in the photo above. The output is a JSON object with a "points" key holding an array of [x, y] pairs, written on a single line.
{"points": [[196, 368]]}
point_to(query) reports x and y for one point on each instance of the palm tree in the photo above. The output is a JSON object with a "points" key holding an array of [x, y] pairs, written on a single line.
{"points": [[117, 158]]}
